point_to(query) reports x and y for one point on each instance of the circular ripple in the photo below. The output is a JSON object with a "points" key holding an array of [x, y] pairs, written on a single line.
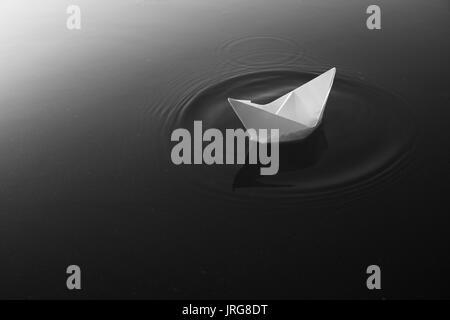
{"points": [[260, 51], [364, 142]]}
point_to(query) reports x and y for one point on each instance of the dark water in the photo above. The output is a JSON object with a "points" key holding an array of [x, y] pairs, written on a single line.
{"points": [[86, 176]]}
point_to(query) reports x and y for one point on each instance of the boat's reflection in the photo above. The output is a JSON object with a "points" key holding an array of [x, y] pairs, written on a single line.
{"points": [[293, 156]]}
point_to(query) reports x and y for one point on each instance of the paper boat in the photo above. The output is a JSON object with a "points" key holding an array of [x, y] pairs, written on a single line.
{"points": [[296, 114]]}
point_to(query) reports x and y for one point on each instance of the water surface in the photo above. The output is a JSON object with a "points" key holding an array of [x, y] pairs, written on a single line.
{"points": [[85, 170]]}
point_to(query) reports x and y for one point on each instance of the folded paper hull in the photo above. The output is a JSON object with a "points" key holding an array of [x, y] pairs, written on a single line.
{"points": [[254, 118], [296, 114]]}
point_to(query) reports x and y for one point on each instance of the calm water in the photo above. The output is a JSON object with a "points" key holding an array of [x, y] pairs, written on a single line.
{"points": [[85, 170]]}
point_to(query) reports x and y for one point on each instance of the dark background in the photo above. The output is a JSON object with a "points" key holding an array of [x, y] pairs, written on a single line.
{"points": [[85, 171]]}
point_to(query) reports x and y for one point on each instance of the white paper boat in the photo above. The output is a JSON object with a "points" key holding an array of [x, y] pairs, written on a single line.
{"points": [[296, 114]]}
